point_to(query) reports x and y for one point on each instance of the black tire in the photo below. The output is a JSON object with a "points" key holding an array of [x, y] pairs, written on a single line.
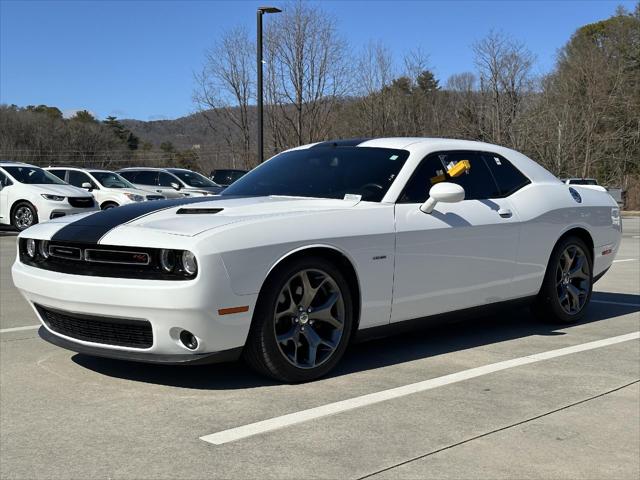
{"points": [[551, 304], [264, 353], [20, 212], [108, 205]]}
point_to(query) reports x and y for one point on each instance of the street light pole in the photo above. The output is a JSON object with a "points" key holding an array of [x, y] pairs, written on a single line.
{"points": [[261, 11]]}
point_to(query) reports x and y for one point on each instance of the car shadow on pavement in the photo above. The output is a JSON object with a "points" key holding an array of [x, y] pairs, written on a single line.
{"points": [[419, 344]]}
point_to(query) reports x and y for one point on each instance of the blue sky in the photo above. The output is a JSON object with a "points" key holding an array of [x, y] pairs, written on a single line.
{"points": [[135, 59]]}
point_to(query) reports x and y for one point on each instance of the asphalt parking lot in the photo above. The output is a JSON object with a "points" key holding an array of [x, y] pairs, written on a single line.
{"points": [[571, 413]]}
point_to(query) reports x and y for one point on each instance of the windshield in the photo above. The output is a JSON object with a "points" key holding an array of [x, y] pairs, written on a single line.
{"points": [[192, 179], [111, 180], [324, 172], [33, 175]]}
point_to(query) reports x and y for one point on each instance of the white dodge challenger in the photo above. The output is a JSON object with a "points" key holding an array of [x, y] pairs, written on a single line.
{"points": [[318, 246]]}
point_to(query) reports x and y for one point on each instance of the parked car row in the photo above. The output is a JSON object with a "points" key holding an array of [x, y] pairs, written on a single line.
{"points": [[30, 194]]}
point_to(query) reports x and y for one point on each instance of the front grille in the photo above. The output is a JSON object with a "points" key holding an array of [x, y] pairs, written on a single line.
{"points": [[62, 251], [103, 261], [155, 197], [81, 202], [122, 332]]}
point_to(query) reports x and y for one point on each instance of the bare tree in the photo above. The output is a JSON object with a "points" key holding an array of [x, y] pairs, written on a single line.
{"points": [[504, 66], [309, 72], [373, 75], [225, 89]]}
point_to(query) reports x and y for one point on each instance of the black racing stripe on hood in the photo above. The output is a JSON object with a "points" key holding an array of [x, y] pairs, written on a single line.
{"points": [[92, 228], [349, 142]]}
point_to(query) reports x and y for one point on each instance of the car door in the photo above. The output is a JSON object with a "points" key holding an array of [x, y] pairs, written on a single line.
{"points": [[78, 179], [145, 179], [5, 185], [462, 254], [165, 185]]}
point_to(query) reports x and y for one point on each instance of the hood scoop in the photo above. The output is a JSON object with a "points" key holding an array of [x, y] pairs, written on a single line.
{"points": [[198, 211]]}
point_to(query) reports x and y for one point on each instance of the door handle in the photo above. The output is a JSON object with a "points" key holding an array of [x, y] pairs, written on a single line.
{"points": [[505, 213]]}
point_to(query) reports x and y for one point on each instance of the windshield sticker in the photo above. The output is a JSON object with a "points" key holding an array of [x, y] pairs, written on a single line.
{"points": [[393, 157], [497, 161], [352, 196]]}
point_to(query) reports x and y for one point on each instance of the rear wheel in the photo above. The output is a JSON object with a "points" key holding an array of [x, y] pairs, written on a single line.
{"points": [[302, 323], [568, 282], [108, 205], [23, 216]]}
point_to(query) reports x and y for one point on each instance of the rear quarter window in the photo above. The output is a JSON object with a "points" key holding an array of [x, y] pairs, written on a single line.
{"points": [[508, 177]]}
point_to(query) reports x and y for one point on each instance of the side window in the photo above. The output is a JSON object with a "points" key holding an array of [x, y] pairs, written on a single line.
{"points": [[78, 178], [4, 180], [147, 177], [508, 177], [58, 173], [478, 183], [129, 175], [165, 180]]}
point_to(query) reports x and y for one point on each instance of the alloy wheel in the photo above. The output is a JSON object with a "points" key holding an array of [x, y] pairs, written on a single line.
{"points": [[309, 318], [573, 279], [23, 217]]}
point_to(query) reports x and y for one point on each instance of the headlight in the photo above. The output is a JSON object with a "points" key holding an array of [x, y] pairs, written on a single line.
{"points": [[56, 198], [168, 260], [134, 198], [31, 247], [43, 248], [189, 263]]}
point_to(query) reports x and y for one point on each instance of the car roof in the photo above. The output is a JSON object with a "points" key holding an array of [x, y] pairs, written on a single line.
{"points": [[418, 147], [62, 167], [151, 169], [9, 163]]}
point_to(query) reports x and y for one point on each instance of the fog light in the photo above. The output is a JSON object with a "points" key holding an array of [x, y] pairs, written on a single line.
{"points": [[43, 248], [31, 247], [189, 262], [188, 339], [167, 260]]}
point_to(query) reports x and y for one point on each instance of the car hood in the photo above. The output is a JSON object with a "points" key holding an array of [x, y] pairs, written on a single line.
{"points": [[62, 190], [188, 216], [194, 218]]}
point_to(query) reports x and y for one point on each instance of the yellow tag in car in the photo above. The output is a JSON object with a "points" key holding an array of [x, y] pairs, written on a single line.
{"points": [[459, 168]]}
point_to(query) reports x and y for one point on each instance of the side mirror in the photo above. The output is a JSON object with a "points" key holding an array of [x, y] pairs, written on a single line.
{"points": [[176, 185], [442, 192], [87, 186]]}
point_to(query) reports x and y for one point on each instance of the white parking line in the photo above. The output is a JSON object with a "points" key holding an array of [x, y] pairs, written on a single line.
{"points": [[624, 304], [19, 329], [233, 434], [625, 260]]}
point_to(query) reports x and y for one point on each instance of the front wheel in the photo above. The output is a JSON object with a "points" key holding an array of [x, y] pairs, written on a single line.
{"points": [[567, 285], [24, 215], [302, 323]]}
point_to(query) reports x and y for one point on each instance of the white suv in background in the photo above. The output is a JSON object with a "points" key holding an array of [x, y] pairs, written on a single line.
{"points": [[171, 182], [109, 189], [29, 194]]}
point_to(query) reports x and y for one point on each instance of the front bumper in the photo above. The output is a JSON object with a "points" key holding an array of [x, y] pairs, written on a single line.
{"points": [[169, 306], [49, 209], [230, 355]]}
